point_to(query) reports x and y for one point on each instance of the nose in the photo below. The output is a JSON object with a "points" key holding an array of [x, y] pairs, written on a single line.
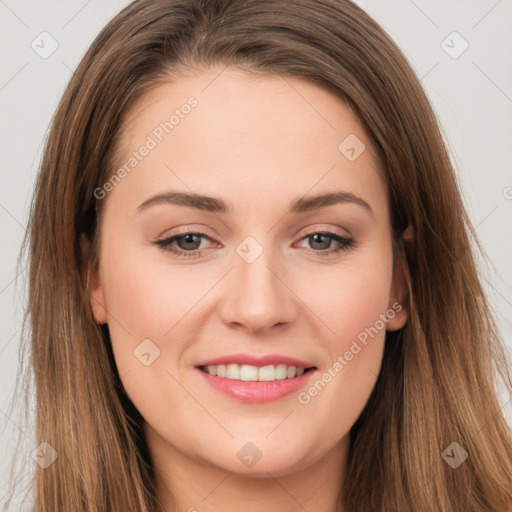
{"points": [[257, 296]]}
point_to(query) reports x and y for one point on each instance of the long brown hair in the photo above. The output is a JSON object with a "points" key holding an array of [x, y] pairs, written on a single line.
{"points": [[437, 383]]}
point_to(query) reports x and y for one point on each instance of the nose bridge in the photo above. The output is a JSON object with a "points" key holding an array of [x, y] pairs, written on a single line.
{"points": [[257, 296]]}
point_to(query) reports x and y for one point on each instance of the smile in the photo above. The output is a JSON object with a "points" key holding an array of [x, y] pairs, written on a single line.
{"points": [[250, 373], [246, 383]]}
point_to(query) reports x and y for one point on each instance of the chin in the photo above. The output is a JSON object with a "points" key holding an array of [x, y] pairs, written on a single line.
{"points": [[259, 458]]}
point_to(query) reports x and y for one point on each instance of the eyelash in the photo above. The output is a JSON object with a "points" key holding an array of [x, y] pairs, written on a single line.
{"points": [[165, 244]]}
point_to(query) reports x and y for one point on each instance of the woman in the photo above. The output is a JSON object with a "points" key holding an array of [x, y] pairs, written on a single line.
{"points": [[324, 343]]}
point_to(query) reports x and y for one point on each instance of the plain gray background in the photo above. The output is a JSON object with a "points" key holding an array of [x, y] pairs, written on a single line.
{"points": [[471, 92]]}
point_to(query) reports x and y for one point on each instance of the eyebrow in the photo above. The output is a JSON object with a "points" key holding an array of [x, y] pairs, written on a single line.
{"points": [[215, 204]]}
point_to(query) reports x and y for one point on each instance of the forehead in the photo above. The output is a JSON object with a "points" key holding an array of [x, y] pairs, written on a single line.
{"points": [[227, 130], [238, 102]]}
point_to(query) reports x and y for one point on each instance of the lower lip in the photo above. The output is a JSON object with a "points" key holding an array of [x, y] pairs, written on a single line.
{"points": [[257, 392]]}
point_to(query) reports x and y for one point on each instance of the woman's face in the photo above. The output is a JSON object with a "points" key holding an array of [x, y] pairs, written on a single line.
{"points": [[270, 279]]}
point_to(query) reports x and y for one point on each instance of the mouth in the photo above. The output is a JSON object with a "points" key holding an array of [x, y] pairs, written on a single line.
{"points": [[250, 373], [256, 384]]}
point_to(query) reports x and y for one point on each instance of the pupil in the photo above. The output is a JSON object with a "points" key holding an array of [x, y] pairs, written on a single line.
{"points": [[188, 240], [320, 235]]}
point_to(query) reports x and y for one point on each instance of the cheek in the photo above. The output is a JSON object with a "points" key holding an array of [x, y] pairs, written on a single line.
{"points": [[148, 297], [350, 299], [147, 307], [354, 305], [351, 311], [142, 305]]}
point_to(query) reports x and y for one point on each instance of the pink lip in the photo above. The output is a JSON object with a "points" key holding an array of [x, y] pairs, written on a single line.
{"points": [[257, 392], [256, 361]]}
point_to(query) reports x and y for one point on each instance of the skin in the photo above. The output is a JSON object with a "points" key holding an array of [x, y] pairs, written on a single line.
{"points": [[258, 143]]}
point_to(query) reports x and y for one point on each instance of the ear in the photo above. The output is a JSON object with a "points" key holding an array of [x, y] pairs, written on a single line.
{"points": [[400, 284], [92, 283]]}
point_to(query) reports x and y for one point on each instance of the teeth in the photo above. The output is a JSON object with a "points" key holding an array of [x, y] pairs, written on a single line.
{"points": [[248, 373], [251, 373], [281, 371], [232, 371], [267, 373]]}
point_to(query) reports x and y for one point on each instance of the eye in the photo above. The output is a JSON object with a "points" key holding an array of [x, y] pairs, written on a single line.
{"points": [[188, 243], [323, 240]]}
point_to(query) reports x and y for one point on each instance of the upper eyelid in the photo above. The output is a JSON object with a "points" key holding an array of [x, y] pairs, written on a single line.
{"points": [[203, 230], [326, 230]]}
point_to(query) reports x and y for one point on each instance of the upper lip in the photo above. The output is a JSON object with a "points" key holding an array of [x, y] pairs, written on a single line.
{"points": [[257, 360]]}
